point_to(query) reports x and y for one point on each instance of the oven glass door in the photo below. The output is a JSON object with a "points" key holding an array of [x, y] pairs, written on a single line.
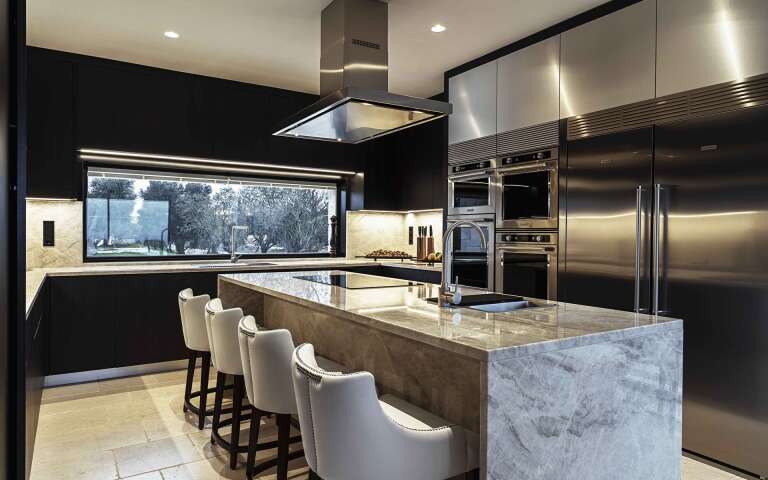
{"points": [[471, 192], [469, 260], [525, 273], [527, 195]]}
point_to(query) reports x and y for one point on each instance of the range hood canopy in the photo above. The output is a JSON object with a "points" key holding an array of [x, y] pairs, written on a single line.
{"points": [[356, 105]]}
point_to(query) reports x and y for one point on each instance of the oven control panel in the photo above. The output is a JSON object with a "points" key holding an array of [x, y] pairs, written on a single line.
{"points": [[529, 157], [471, 167], [538, 238]]}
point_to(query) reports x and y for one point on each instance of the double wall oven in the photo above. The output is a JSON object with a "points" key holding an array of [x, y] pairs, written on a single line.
{"points": [[526, 263], [527, 190]]}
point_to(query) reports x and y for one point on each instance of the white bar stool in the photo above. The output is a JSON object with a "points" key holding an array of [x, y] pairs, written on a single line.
{"points": [[356, 435], [266, 358], [192, 313], [225, 352]]}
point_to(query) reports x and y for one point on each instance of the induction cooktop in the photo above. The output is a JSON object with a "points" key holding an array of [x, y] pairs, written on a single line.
{"points": [[355, 281]]}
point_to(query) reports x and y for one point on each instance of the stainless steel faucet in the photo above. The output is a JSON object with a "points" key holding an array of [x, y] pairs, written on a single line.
{"points": [[445, 297], [234, 257]]}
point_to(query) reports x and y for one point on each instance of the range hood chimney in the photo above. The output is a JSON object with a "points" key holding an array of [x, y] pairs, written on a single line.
{"points": [[356, 105]]}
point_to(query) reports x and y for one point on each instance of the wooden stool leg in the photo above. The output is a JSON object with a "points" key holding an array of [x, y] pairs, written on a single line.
{"points": [[217, 400], [283, 441], [190, 377], [253, 441], [237, 406], [204, 372]]}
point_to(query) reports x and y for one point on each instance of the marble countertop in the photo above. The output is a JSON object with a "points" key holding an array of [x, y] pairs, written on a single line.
{"points": [[485, 336], [35, 278]]}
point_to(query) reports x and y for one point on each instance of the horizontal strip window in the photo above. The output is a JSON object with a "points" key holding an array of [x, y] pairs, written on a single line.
{"points": [[141, 215]]}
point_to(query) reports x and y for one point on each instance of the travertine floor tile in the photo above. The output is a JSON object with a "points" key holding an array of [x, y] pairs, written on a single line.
{"points": [[135, 427], [156, 455]]}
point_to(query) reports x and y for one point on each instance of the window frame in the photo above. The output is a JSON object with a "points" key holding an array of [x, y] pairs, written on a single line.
{"points": [[341, 186]]}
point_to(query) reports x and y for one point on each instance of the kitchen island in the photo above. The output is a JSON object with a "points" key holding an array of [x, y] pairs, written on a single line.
{"points": [[557, 391]]}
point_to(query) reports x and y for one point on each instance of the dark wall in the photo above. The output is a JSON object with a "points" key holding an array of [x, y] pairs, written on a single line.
{"points": [[6, 221]]}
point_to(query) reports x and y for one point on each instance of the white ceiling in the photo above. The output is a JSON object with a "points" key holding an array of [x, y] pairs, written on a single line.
{"points": [[277, 42]]}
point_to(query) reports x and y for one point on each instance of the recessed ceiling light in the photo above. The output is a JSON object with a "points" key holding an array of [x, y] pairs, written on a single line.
{"points": [[171, 34], [437, 28]]}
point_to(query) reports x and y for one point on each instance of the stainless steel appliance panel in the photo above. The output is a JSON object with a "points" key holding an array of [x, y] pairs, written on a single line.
{"points": [[466, 258], [705, 42], [528, 86], [473, 96], [609, 195], [609, 61], [472, 188], [527, 191], [712, 175], [526, 263]]}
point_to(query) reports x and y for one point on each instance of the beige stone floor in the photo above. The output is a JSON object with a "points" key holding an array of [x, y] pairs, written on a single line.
{"points": [[135, 428]]}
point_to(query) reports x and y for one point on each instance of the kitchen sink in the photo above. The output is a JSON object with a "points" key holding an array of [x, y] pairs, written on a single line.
{"points": [[233, 265], [504, 306]]}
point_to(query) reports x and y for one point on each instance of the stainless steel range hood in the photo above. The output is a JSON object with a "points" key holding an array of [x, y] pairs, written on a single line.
{"points": [[356, 105]]}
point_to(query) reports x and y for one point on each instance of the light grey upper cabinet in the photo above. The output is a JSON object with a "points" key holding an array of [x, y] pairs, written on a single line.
{"points": [[528, 86], [473, 95], [706, 42], [610, 61]]}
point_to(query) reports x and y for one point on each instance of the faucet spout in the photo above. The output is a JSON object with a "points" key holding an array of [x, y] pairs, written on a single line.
{"points": [[445, 297]]}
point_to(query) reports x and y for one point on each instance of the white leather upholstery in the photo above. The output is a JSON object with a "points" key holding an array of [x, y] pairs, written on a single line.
{"points": [[266, 358], [222, 336], [192, 312], [349, 434]]}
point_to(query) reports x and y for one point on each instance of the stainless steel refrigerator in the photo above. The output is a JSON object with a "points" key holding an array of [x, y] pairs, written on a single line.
{"points": [[674, 220]]}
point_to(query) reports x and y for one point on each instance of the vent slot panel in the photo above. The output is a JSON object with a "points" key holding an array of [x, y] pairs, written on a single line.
{"points": [[483, 147], [528, 138], [704, 101]]}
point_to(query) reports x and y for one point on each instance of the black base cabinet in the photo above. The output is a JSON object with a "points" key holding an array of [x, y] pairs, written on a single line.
{"points": [[113, 321], [36, 366], [411, 274]]}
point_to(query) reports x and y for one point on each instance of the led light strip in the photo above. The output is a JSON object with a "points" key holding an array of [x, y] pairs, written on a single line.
{"points": [[208, 168], [177, 158]]}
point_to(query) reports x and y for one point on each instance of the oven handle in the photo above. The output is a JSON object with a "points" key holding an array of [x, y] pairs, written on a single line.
{"points": [[543, 250], [462, 176], [478, 221], [534, 167]]}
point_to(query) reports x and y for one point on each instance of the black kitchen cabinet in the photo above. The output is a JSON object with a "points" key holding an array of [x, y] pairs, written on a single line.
{"points": [[52, 160], [138, 109], [149, 330], [83, 319], [402, 273], [35, 365]]}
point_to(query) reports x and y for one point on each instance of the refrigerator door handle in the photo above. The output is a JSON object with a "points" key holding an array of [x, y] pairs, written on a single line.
{"points": [[657, 225], [638, 243]]}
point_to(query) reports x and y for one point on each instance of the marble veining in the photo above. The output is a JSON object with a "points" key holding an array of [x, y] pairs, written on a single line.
{"points": [[68, 230], [486, 336], [588, 412], [368, 231]]}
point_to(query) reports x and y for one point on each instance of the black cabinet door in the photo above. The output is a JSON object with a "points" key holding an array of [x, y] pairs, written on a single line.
{"points": [[82, 327], [52, 166], [148, 327], [138, 109], [235, 115]]}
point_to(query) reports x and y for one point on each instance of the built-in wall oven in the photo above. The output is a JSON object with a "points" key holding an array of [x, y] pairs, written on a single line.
{"points": [[466, 258], [527, 190], [471, 188], [526, 263]]}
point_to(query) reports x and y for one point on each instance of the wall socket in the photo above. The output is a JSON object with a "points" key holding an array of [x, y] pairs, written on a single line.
{"points": [[49, 238]]}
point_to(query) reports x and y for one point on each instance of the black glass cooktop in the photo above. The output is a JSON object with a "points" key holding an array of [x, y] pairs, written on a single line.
{"points": [[357, 281]]}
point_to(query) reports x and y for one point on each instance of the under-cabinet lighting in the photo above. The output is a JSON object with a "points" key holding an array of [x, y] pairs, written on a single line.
{"points": [[171, 34], [437, 28], [179, 158], [208, 168]]}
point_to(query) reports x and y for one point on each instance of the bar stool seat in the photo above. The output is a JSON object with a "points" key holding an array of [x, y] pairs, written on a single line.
{"points": [[192, 313], [357, 435], [266, 358], [221, 325]]}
